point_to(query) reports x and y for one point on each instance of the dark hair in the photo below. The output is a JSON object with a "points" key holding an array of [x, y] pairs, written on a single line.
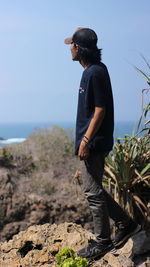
{"points": [[89, 56]]}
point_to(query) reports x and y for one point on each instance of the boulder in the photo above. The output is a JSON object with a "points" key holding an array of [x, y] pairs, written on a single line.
{"points": [[39, 244]]}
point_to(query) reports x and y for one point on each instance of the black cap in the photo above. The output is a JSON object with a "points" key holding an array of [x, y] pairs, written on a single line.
{"points": [[84, 37]]}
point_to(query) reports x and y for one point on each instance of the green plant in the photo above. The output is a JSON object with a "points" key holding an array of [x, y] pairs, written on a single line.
{"points": [[127, 169], [146, 75], [127, 172], [146, 127], [147, 108], [66, 258], [46, 156], [6, 157], [51, 147]]}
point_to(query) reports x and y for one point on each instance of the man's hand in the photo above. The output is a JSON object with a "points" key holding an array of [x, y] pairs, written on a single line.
{"points": [[94, 126], [83, 151]]}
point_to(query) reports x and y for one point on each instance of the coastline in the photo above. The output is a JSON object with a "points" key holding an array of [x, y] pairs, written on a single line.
{"points": [[14, 133]]}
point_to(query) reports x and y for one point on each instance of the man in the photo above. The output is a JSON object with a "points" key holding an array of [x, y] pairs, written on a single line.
{"points": [[94, 140]]}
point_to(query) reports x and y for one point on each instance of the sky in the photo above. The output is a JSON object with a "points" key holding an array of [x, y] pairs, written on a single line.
{"points": [[39, 82]]}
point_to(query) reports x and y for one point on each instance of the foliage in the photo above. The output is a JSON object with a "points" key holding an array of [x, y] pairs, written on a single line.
{"points": [[147, 108], [47, 148], [51, 146], [128, 172], [18, 156], [6, 157], [64, 254], [145, 75], [66, 258], [146, 127], [127, 169], [45, 155]]}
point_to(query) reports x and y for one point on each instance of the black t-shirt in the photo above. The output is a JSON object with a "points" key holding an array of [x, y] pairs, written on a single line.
{"points": [[95, 91]]}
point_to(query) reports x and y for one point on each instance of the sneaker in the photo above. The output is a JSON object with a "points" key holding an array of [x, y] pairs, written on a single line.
{"points": [[122, 235], [95, 250]]}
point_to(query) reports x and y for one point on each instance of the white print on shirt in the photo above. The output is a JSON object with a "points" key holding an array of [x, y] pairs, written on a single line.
{"points": [[81, 90]]}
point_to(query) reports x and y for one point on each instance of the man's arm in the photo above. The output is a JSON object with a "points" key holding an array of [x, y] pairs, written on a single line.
{"points": [[94, 126]]}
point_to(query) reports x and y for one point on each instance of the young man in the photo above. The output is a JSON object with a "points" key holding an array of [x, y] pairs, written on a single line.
{"points": [[94, 140]]}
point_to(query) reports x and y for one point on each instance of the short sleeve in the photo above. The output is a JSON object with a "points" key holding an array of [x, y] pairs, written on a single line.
{"points": [[98, 90]]}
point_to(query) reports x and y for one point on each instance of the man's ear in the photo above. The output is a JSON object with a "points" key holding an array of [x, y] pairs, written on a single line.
{"points": [[76, 46]]}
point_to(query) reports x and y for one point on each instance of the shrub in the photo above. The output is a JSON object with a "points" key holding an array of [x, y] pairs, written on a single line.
{"points": [[51, 147], [66, 258], [6, 158], [127, 172]]}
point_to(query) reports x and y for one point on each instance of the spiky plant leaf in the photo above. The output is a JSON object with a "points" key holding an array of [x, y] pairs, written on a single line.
{"points": [[144, 74], [145, 61], [145, 169], [140, 202]]}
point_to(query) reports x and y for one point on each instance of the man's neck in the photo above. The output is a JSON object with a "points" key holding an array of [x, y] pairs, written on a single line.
{"points": [[85, 65]]}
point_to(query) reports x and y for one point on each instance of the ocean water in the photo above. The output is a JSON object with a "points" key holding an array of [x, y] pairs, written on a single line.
{"points": [[18, 132]]}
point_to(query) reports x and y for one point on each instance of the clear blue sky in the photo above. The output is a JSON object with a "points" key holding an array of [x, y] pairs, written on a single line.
{"points": [[39, 81]]}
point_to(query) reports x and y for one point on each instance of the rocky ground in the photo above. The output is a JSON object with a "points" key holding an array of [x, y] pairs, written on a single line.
{"points": [[38, 245], [37, 184], [21, 207], [43, 209]]}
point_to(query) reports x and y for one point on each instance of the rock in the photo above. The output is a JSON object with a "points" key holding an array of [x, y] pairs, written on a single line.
{"points": [[141, 243], [19, 208], [2, 139], [113, 260], [38, 245], [130, 253]]}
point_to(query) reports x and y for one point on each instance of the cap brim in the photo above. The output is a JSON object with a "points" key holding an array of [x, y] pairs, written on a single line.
{"points": [[68, 40]]}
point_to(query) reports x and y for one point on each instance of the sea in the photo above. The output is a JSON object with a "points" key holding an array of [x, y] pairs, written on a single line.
{"points": [[14, 133]]}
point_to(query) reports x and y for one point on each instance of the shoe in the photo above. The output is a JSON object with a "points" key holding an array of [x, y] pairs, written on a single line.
{"points": [[95, 250], [122, 235]]}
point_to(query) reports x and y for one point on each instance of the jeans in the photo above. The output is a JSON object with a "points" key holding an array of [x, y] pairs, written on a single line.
{"points": [[100, 202]]}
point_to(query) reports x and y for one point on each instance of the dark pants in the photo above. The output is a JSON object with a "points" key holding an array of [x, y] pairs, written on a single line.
{"points": [[101, 203]]}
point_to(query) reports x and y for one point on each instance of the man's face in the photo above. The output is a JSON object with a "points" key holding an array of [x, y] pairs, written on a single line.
{"points": [[74, 51]]}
